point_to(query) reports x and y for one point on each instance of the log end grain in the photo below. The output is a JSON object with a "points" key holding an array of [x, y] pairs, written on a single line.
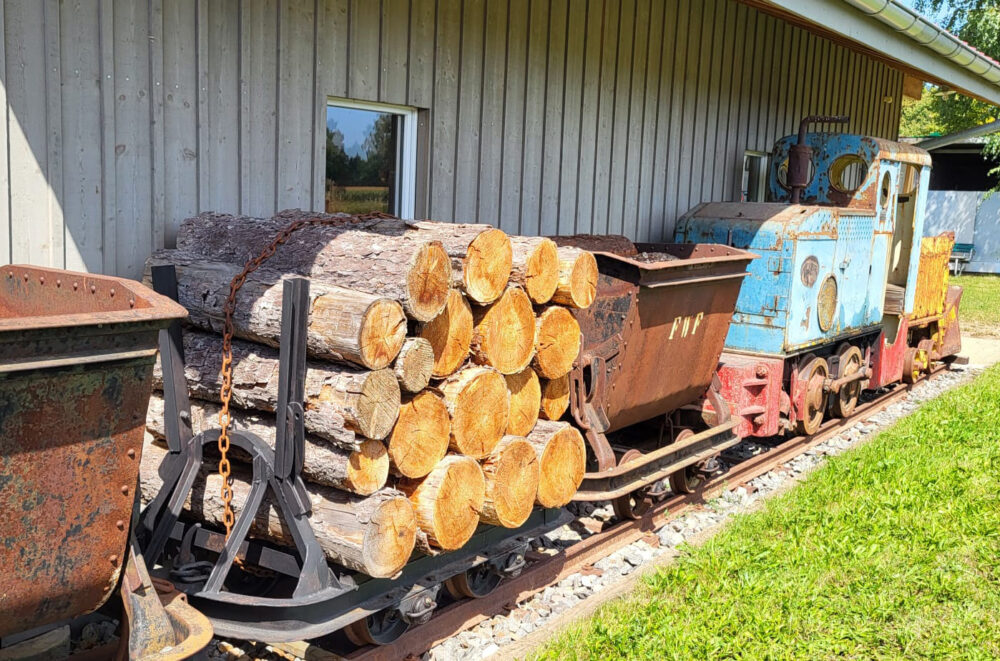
{"points": [[414, 364], [389, 537], [448, 501], [382, 333], [428, 281], [555, 398], [450, 334], [541, 272], [525, 401], [420, 438], [561, 465], [479, 405], [512, 474], [367, 468], [504, 333], [557, 342], [577, 278], [374, 407], [486, 267]]}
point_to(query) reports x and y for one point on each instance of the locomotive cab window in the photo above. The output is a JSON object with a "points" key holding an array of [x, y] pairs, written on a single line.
{"points": [[370, 158]]}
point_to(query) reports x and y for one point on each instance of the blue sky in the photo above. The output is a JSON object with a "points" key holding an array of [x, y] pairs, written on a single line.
{"points": [[354, 124]]}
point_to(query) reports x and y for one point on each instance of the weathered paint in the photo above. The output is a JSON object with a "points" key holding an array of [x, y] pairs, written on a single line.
{"points": [[932, 275], [76, 360], [752, 386], [832, 235]]}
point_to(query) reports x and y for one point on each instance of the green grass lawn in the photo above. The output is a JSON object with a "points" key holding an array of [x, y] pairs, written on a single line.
{"points": [[980, 309], [888, 551]]}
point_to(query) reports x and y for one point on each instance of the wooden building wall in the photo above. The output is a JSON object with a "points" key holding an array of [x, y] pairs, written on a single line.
{"points": [[544, 116]]}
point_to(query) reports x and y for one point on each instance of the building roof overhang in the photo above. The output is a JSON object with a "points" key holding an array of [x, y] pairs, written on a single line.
{"points": [[897, 35]]}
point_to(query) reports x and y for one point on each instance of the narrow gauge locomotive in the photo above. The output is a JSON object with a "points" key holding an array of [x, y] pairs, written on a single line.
{"points": [[845, 294]]}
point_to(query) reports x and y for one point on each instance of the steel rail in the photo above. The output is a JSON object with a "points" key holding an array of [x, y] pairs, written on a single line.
{"points": [[545, 571]]}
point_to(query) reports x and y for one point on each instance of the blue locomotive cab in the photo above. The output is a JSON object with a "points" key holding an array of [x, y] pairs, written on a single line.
{"points": [[835, 241]]}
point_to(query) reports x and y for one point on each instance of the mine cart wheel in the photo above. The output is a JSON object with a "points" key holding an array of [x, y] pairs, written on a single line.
{"points": [[814, 374], [474, 583], [686, 480], [915, 362], [379, 628], [842, 403], [634, 504]]}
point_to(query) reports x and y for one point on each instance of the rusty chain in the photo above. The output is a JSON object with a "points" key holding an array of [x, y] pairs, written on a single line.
{"points": [[226, 393]]}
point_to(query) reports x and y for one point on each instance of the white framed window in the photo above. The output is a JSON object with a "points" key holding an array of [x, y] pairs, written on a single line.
{"points": [[371, 157], [754, 185]]}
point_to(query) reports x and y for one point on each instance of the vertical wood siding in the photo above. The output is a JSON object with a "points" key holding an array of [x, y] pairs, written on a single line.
{"points": [[123, 117]]}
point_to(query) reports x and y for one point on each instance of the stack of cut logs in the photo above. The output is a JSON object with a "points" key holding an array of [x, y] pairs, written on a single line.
{"points": [[438, 370]]}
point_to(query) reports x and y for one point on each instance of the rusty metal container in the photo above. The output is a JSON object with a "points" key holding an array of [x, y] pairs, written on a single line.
{"points": [[76, 362], [932, 275], [653, 336]]}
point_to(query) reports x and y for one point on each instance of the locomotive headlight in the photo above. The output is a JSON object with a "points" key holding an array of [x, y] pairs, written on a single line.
{"points": [[826, 306]]}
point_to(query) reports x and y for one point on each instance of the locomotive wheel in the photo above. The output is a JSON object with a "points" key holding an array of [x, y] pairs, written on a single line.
{"points": [[814, 374], [842, 404], [915, 361], [636, 503], [379, 628], [474, 583], [686, 480]]}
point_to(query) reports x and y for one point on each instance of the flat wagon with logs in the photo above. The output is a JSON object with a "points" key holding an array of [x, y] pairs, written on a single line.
{"points": [[365, 416]]}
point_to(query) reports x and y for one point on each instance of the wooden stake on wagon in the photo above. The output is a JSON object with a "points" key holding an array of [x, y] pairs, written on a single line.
{"points": [[414, 365], [363, 471], [344, 325], [512, 475], [562, 460], [535, 267], [525, 401], [450, 334], [447, 502], [557, 342], [503, 335], [373, 534], [577, 278], [337, 396], [555, 398], [420, 438], [479, 405], [378, 256], [480, 256]]}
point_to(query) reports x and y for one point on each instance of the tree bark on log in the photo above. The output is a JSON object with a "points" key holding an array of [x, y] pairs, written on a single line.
{"points": [[420, 438], [577, 278], [555, 398], [512, 475], [450, 335], [380, 256], [373, 534], [480, 256], [447, 502], [557, 342], [414, 364], [344, 325], [336, 396], [479, 405], [535, 266], [503, 334], [525, 401], [562, 459], [363, 471]]}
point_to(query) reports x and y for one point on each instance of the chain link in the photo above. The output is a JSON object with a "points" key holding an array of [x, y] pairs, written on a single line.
{"points": [[225, 420]]}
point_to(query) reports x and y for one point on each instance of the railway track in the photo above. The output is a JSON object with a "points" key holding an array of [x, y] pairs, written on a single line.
{"points": [[543, 571]]}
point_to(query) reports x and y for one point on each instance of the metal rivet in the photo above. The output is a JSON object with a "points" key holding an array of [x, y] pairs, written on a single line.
{"points": [[120, 524], [25, 277], [112, 292], [113, 559], [131, 453], [93, 289], [76, 285], [58, 283], [41, 280], [131, 302], [125, 489]]}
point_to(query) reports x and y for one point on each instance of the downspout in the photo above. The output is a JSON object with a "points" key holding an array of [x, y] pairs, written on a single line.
{"points": [[916, 27]]}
